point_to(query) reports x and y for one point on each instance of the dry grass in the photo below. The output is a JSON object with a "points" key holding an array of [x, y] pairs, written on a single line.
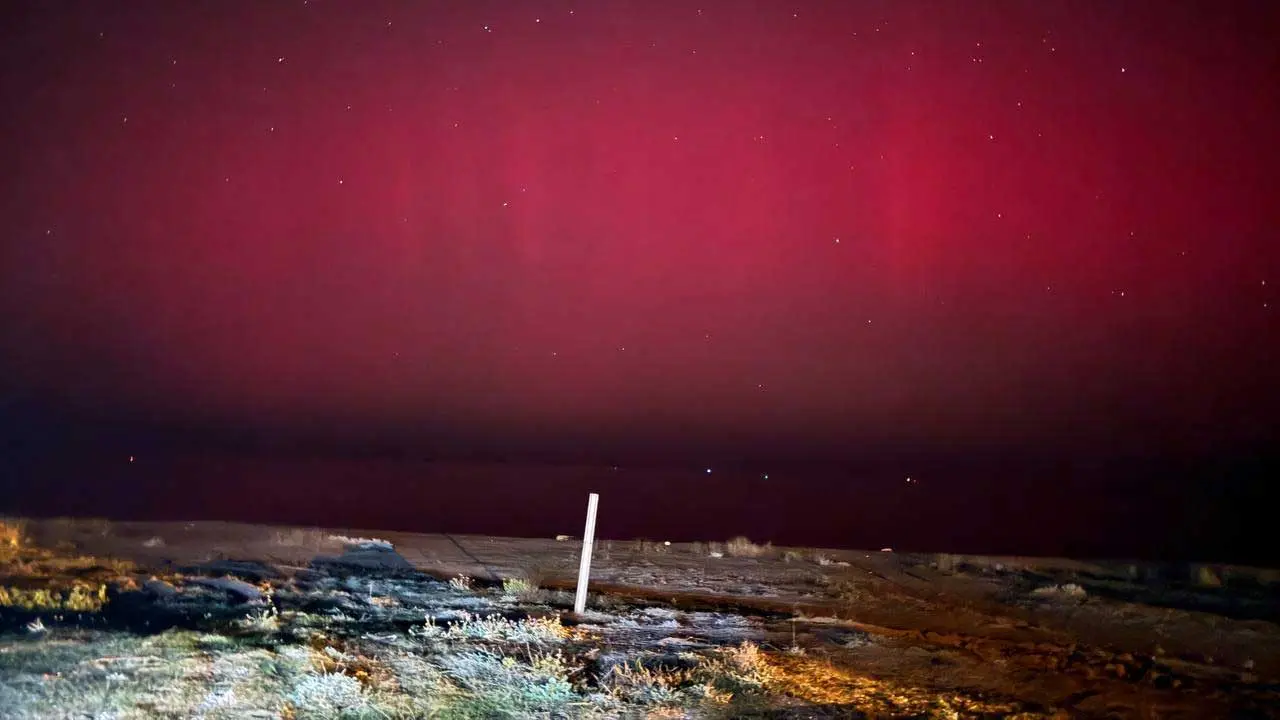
{"points": [[635, 682], [36, 579], [12, 534], [518, 586], [327, 646], [497, 629], [849, 592], [526, 585], [742, 547], [1070, 592], [820, 682], [78, 598], [477, 668]]}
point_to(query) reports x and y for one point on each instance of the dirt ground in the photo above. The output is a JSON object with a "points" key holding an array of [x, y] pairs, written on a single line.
{"points": [[1045, 637]]}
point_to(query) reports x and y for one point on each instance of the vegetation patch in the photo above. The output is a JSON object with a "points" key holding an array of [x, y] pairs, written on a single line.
{"points": [[90, 637], [744, 548]]}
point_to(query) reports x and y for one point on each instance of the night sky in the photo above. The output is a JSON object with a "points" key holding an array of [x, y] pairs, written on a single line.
{"points": [[832, 242]]}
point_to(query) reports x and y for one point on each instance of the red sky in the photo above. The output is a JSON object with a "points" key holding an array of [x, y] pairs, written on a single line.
{"points": [[1029, 224]]}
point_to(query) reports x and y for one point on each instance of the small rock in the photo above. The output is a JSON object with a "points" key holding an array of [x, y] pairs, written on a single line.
{"points": [[239, 588], [247, 569], [159, 588]]}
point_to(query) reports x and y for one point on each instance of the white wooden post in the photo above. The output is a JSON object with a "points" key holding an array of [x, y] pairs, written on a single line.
{"points": [[584, 566]]}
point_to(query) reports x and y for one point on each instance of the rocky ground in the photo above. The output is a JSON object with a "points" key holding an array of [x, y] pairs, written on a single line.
{"points": [[104, 619]]}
